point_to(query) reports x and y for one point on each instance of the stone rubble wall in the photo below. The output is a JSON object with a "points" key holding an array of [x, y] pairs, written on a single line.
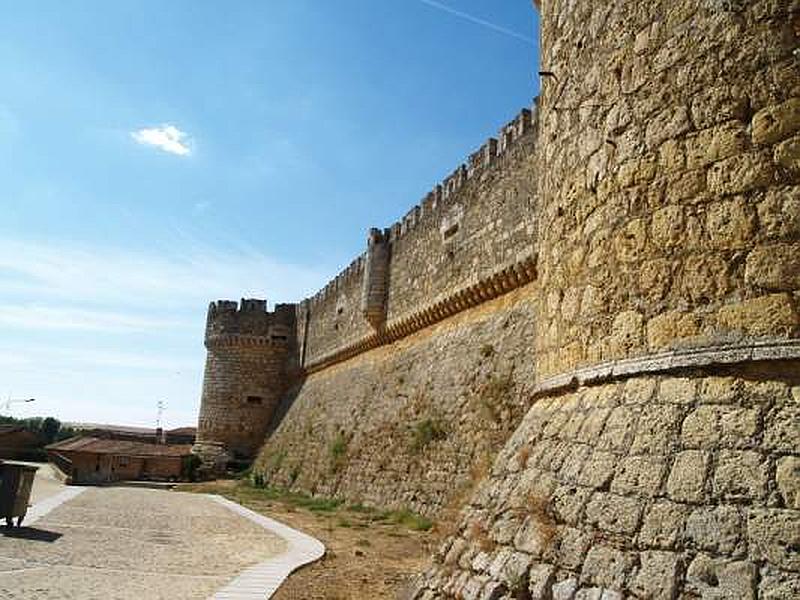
{"points": [[657, 487]]}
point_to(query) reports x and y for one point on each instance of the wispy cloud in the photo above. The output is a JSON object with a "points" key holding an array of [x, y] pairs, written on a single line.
{"points": [[97, 276], [478, 21], [166, 137], [67, 318]]}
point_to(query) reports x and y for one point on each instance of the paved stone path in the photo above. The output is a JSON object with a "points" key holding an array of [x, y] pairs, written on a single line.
{"points": [[123, 543]]}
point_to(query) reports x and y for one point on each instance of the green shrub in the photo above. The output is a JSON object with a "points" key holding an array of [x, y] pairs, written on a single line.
{"points": [[425, 432], [338, 452]]}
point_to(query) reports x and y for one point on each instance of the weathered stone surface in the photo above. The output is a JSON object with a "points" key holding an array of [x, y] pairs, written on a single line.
{"points": [[687, 479], [787, 476], [612, 513], [775, 267], [663, 525], [740, 476], [718, 529], [721, 579], [774, 536], [606, 567], [774, 123], [658, 575]]}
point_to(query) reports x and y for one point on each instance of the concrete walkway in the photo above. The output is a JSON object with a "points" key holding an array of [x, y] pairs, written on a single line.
{"points": [[124, 543]]}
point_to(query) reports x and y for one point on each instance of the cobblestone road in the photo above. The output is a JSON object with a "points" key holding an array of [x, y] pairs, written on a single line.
{"points": [[122, 543]]}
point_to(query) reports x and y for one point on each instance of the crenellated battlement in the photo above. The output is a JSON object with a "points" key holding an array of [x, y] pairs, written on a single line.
{"points": [[444, 194], [249, 321]]}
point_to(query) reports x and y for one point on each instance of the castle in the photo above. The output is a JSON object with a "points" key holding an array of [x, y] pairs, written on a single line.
{"points": [[586, 336]]}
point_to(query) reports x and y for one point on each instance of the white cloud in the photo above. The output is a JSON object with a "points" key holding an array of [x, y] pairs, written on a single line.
{"points": [[167, 137]]}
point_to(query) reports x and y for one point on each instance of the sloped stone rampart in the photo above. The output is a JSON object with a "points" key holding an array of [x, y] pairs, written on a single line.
{"points": [[656, 487], [414, 424]]}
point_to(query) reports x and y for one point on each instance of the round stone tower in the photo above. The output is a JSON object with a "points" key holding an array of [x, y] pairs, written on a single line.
{"points": [[661, 457], [247, 368]]}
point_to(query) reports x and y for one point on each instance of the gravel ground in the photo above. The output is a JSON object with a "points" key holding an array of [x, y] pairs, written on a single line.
{"points": [[131, 544]]}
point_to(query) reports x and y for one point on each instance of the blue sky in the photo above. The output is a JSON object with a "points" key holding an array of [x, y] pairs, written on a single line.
{"points": [[157, 155]]}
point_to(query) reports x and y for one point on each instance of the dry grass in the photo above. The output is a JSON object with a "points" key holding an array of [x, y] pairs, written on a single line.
{"points": [[539, 510], [479, 535], [370, 554]]}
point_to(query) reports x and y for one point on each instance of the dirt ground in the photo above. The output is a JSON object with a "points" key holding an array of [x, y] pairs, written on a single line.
{"points": [[369, 555]]}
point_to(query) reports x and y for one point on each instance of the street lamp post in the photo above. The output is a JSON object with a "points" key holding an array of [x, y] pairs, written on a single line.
{"points": [[10, 401]]}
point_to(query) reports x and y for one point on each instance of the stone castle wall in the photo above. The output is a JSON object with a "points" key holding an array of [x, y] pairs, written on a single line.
{"points": [[410, 425], [450, 359], [623, 266], [248, 368], [471, 231], [660, 457]]}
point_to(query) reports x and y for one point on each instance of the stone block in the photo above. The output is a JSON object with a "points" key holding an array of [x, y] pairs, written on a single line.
{"points": [[663, 525], [667, 227], [741, 173], [572, 546], [677, 390], [779, 213], [774, 536], [775, 267], [686, 481], [778, 585], [573, 465], [767, 315], [716, 143], [705, 278], [516, 566], [598, 470], [606, 567], [658, 575], [787, 154], [564, 590], [738, 426], [730, 223], [639, 390], [669, 123], [671, 156], [619, 429], [782, 432], [721, 579], [568, 501], [777, 122], [787, 476], [540, 580], [740, 475], [669, 328], [613, 513], [656, 432], [716, 104], [719, 390], [639, 475], [715, 528]]}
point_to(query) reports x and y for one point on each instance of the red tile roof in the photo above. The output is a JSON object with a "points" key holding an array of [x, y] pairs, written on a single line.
{"points": [[95, 445]]}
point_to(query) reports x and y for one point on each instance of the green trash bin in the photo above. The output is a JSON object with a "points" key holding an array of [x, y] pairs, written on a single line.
{"points": [[16, 482]]}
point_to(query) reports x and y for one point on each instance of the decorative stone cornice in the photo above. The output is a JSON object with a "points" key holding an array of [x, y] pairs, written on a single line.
{"points": [[501, 281], [671, 361], [243, 340]]}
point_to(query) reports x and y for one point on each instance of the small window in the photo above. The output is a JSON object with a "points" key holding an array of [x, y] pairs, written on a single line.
{"points": [[339, 310], [282, 338], [451, 231], [254, 400]]}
